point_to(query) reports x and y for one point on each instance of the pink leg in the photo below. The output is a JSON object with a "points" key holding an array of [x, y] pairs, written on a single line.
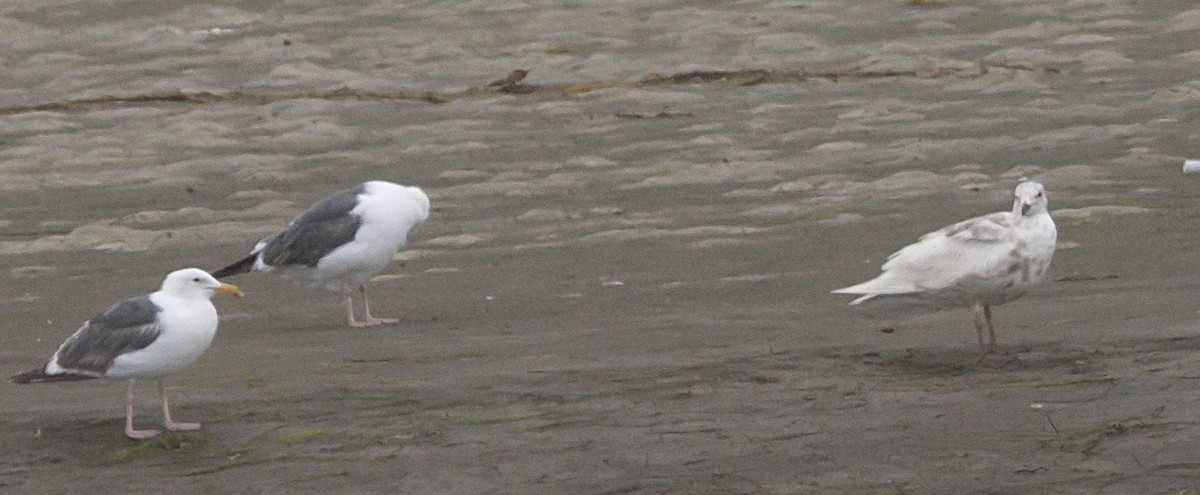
{"points": [[987, 313], [978, 312], [350, 309], [167, 423], [129, 431], [370, 320]]}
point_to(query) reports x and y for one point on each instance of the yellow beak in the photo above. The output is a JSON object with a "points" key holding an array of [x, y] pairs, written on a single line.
{"points": [[229, 290]]}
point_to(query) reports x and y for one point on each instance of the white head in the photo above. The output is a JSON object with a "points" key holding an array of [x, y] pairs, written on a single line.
{"points": [[1030, 199], [194, 282], [413, 202], [422, 201]]}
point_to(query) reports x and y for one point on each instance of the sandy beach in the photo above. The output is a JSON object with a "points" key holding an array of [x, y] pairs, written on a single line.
{"points": [[623, 287]]}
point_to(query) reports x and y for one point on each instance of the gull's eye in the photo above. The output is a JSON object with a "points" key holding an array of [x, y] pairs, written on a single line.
{"points": [[197, 279], [1039, 194]]}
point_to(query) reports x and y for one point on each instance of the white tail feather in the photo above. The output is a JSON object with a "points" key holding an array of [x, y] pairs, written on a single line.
{"points": [[879, 286]]}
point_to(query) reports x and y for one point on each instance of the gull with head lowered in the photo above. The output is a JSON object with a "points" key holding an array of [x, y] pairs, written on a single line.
{"points": [[343, 240], [981, 262]]}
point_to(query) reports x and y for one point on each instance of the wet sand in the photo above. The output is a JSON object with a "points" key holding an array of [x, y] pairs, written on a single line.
{"points": [[623, 287]]}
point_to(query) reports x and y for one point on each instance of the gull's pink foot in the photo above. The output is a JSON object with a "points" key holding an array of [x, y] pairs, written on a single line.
{"points": [[169, 423], [141, 434], [129, 431], [370, 322]]}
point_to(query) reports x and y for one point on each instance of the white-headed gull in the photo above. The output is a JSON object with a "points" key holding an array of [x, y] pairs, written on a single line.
{"points": [[148, 336], [981, 262]]}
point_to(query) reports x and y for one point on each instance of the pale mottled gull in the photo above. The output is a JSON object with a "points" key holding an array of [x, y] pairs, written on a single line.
{"points": [[344, 239], [147, 336], [981, 262]]}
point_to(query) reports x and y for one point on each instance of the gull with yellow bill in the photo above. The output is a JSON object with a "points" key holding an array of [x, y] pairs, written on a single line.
{"points": [[148, 336]]}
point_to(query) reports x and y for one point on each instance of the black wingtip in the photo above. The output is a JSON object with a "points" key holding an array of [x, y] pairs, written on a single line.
{"points": [[240, 266], [28, 376], [39, 376]]}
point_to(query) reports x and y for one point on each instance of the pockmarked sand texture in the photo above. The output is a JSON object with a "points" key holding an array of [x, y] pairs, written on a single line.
{"points": [[639, 209]]}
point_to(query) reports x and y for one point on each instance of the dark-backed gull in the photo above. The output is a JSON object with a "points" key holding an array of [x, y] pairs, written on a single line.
{"points": [[345, 239], [148, 336]]}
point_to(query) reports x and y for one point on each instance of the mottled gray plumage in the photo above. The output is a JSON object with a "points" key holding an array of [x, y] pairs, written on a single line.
{"points": [[987, 228], [980, 262]]}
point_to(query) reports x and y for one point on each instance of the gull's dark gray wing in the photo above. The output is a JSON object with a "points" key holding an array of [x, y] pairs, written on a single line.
{"points": [[324, 227], [125, 327]]}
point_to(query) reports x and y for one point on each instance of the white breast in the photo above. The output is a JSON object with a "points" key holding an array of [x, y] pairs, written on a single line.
{"points": [[388, 212], [188, 327]]}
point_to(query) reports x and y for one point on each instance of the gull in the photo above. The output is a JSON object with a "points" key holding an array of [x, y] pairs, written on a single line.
{"points": [[981, 262], [343, 240], [148, 336]]}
